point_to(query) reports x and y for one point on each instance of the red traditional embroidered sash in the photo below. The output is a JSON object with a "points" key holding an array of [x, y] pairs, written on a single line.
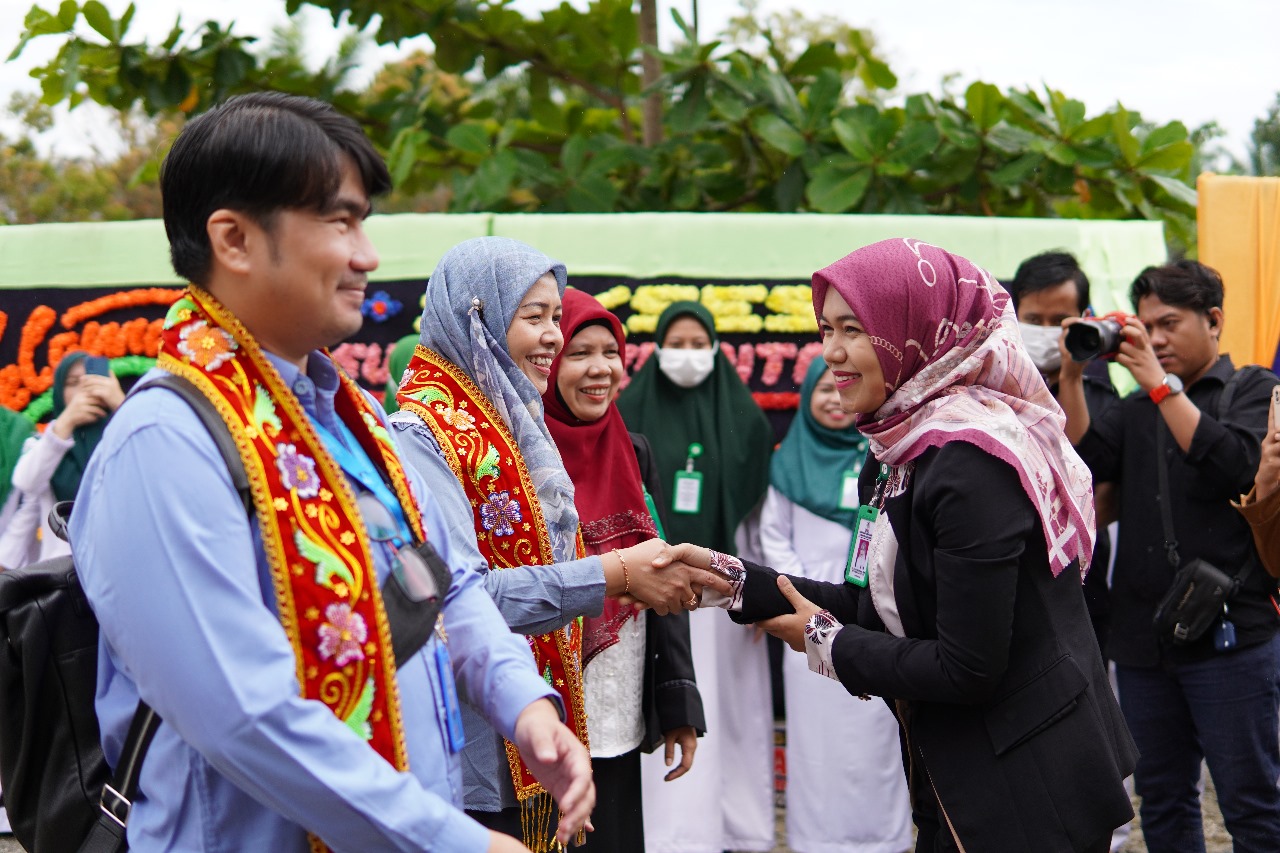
{"points": [[315, 540], [510, 529]]}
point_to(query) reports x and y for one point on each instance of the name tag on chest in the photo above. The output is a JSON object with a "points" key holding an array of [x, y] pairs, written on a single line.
{"points": [[855, 571]]}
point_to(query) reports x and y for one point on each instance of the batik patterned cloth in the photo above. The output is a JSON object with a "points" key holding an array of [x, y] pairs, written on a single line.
{"points": [[955, 369]]}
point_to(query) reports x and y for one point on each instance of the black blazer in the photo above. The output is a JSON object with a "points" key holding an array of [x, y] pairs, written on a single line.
{"points": [[671, 698], [1007, 712]]}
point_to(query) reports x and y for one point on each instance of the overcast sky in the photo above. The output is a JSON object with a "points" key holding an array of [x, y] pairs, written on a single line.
{"points": [[1192, 60]]}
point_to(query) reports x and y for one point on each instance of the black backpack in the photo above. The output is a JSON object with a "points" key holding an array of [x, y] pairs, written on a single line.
{"points": [[58, 789]]}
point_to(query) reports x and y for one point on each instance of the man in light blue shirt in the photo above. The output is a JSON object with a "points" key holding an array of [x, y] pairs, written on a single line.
{"points": [[264, 200]]}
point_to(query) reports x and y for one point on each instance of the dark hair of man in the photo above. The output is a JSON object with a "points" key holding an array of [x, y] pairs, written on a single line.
{"points": [[258, 154], [1049, 270], [1182, 284]]}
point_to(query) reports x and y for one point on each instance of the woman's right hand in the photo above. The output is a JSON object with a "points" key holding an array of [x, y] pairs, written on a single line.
{"points": [[693, 555]]}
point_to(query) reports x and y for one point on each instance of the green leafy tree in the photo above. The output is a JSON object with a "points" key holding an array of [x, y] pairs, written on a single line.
{"points": [[545, 113], [40, 188], [1264, 143]]}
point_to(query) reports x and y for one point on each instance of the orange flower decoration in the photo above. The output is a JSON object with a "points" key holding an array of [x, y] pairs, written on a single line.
{"points": [[205, 346]]}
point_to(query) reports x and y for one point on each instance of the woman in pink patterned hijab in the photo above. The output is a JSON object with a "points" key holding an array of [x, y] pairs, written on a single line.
{"points": [[954, 369], [961, 599]]}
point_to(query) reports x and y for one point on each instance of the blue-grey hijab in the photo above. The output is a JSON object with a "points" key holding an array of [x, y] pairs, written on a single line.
{"points": [[471, 299]]}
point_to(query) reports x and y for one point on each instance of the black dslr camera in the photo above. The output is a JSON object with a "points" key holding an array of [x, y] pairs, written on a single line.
{"points": [[1096, 337]]}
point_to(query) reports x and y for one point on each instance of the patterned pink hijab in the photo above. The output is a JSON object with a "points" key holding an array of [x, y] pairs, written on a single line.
{"points": [[955, 369]]}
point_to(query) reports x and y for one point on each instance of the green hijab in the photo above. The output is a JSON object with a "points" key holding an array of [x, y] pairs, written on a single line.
{"points": [[810, 463], [66, 478], [401, 355], [14, 430], [718, 414]]}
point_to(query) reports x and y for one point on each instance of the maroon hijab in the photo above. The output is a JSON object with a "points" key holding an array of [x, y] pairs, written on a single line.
{"points": [[601, 461], [955, 369]]}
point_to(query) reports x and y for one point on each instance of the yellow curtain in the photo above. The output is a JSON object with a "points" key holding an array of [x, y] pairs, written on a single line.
{"points": [[1239, 222]]}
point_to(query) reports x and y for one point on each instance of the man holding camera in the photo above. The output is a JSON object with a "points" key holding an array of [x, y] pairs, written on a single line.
{"points": [[1216, 698], [1047, 289]]}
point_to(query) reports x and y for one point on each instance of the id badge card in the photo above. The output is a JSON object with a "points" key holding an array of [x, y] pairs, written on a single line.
{"points": [[449, 691], [849, 490], [688, 493], [855, 571]]}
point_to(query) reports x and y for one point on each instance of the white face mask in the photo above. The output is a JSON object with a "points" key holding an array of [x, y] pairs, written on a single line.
{"points": [[686, 367], [1042, 345]]}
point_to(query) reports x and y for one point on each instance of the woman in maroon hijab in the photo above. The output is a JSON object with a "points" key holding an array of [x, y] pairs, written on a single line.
{"points": [[638, 676], [962, 602]]}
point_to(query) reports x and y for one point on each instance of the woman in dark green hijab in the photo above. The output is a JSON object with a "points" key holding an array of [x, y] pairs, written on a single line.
{"points": [[817, 464], [689, 394]]}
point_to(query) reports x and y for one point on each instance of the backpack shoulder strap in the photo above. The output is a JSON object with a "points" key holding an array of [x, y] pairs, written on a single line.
{"points": [[108, 833], [1229, 389], [216, 426]]}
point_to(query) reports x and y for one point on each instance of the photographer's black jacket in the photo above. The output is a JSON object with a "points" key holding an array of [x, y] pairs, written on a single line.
{"points": [[1120, 447]]}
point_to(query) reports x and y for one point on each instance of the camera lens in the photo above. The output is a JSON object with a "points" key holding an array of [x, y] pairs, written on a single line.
{"points": [[1090, 339]]}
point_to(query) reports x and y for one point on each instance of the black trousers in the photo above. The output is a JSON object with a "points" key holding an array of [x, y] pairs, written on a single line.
{"points": [[618, 817]]}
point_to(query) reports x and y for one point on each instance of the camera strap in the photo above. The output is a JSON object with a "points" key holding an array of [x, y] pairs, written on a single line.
{"points": [[1162, 475], [1166, 509]]}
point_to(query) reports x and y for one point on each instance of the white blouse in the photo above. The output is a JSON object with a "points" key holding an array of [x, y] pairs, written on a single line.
{"points": [[613, 689]]}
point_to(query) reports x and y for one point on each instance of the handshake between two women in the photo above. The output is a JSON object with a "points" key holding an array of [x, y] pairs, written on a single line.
{"points": [[655, 575]]}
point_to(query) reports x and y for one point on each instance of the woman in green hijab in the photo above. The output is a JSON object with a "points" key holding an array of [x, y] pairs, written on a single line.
{"points": [[698, 415], [711, 446], [85, 394]]}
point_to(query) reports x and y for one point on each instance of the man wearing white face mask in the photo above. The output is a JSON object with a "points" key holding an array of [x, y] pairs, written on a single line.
{"points": [[1047, 289]]}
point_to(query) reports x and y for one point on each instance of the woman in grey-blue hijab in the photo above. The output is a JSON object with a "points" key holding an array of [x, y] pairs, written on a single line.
{"points": [[471, 424], [473, 317], [471, 416]]}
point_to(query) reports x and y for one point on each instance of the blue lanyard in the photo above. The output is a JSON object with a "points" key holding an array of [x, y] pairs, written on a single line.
{"points": [[357, 463]]}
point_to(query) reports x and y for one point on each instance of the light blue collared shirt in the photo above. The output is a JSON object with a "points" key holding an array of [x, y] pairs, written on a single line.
{"points": [[179, 582]]}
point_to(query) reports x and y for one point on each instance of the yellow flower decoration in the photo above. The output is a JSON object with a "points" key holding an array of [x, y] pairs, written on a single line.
{"points": [[615, 297], [642, 324], [734, 293], [750, 324], [794, 299], [654, 298], [790, 324]]}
